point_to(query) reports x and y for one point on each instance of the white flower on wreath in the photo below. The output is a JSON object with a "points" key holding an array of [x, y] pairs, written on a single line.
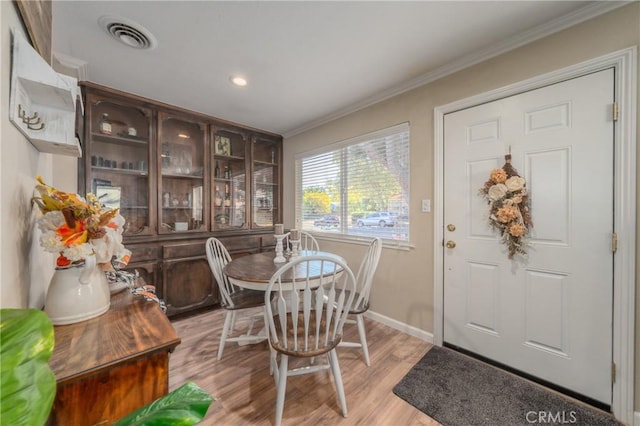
{"points": [[515, 183], [497, 191]]}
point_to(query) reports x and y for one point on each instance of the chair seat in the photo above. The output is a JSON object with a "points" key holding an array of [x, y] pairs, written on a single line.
{"points": [[310, 351], [362, 308], [244, 299]]}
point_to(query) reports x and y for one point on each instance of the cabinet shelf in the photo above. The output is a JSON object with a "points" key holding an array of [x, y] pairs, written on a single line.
{"points": [[120, 140], [265, 163], [134, 207], [181, 176], [120, 171], [228, 157]]}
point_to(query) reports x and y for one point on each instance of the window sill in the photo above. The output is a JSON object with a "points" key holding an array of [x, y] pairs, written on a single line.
{"points": [[355, 240]]}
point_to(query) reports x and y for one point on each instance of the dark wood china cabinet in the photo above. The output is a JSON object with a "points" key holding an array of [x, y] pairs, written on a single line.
{"points": [[179, 177]]}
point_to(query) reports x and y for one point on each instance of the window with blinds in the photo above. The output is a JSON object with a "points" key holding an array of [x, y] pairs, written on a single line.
{"points": [[358, 187]]}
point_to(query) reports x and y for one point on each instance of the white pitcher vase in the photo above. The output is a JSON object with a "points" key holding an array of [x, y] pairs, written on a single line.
{"points": [[77, 293]]}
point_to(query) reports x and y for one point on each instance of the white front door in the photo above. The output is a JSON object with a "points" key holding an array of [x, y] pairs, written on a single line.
{"points": [[548, 314]]}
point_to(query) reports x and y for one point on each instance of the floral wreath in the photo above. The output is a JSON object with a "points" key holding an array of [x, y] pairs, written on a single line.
{"points": [[508, 199]]}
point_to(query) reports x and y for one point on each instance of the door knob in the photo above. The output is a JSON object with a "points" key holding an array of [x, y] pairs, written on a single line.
{"points": [[451, 227], [451, 244]]}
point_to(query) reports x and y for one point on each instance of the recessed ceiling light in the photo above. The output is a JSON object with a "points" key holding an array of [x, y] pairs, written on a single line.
{"points": [[238, 81]]}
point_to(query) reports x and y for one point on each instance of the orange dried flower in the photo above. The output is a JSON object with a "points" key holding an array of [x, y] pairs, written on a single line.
{"points": [[498, 176], [507, 213], [517, 229]]}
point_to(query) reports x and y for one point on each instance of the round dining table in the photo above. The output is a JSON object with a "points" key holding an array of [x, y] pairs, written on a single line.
{"points": [[255, 270]]}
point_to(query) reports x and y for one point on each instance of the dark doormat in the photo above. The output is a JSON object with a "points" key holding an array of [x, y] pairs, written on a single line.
{"points": [[457, 390]]}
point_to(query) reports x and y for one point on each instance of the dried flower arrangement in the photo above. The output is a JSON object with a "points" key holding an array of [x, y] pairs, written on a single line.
{"points": [[508, 199], [76, 228]]}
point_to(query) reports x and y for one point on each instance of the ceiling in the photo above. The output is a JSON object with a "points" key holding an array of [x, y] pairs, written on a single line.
{"points": [[305, 61]]}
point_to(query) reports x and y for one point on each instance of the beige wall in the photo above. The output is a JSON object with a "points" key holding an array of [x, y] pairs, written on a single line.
{"points": [[403, 287], [25, 269]]}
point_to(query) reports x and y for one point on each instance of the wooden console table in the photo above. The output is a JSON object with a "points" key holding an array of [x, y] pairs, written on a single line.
{"points": [[111, 365]]}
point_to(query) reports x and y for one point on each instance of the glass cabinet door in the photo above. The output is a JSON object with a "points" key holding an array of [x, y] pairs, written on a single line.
{"points": [[117, 160], [229, 175], [266, 182], [182, 187]]}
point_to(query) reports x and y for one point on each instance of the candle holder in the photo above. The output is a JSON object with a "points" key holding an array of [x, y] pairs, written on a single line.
{"points": [[295, 252], [279, 254]]}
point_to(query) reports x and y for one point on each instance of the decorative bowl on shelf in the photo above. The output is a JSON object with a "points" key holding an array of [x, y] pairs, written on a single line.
{"points": [[222, 219]]}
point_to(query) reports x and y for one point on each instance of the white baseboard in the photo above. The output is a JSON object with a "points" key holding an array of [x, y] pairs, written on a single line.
{"points": [[636, 418], [400, 326]]}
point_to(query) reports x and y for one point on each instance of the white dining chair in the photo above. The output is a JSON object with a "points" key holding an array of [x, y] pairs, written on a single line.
{"points": [[301, 325], [232, 298], [364, 280], [307, 241]]}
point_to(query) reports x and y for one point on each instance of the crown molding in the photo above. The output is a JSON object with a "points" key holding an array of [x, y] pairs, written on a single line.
{"points": [[555, 25], [69, 65]]}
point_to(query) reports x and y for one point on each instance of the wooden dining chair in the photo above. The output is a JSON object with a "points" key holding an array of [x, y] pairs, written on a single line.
{"points": [[364, 280], [301, 325], [232, 298], [307, 241]]}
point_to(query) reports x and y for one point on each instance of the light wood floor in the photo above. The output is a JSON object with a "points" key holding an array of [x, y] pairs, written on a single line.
{"points": [[245, 391]]}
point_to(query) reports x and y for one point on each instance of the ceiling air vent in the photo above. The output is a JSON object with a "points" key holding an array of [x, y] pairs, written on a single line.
{"points": [[128, 32]]}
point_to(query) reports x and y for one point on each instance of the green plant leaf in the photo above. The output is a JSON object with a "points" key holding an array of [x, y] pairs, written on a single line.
{"points": [[184, 406], [27, 384]]}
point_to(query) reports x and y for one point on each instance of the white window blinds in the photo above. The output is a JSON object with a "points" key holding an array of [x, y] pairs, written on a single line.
{"points": [[357, 187]]}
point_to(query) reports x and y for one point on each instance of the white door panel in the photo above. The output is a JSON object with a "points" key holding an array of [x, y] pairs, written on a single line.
{"points": [[549, 314]]}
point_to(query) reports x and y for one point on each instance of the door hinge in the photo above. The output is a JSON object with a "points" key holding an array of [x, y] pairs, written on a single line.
{"points": [[615, 111], [614, 242], [613, 372]]}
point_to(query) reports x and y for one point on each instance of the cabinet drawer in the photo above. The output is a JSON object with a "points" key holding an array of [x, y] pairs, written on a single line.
{"points": [[190, 249], [243, 243], [268, 242], [187, 285], [144, 253]]}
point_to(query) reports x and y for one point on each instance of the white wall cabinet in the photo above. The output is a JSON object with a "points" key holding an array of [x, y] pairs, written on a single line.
{"points": [[43, 102]]}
